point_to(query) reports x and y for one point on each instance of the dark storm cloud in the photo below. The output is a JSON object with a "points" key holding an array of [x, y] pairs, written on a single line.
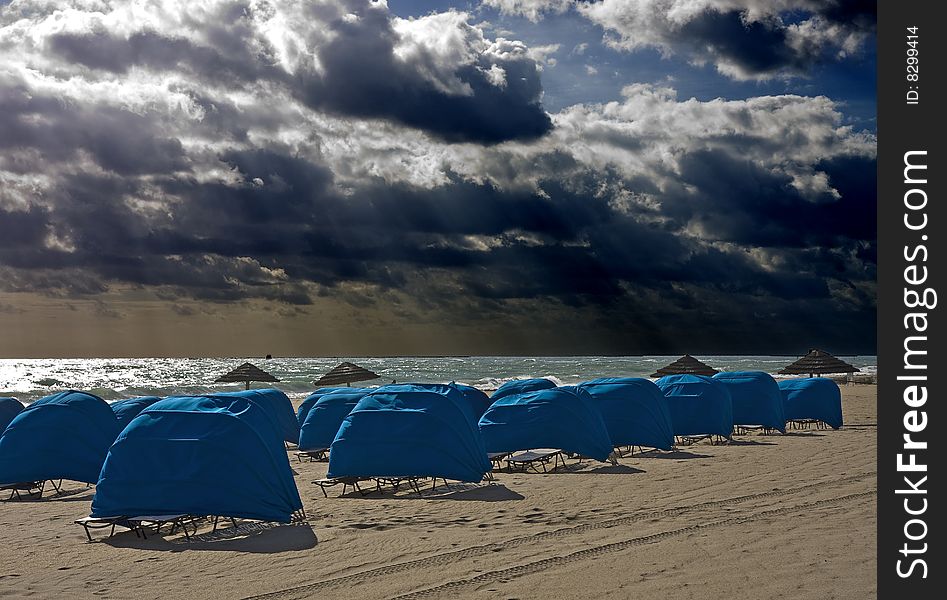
{"points": [[23, 228], [362, 77], [117, 54], [755, 39], [861, 14], [754, 206], [754, 47], [117, 140]]}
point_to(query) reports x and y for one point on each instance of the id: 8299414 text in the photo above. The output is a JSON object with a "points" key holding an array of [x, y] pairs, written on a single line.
{"points": [[912, 74]]}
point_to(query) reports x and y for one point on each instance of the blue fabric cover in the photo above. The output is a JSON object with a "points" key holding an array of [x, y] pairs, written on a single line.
{"points": [[128, 409], [275, 403], [554, 418], [698, 405], [311, 400], [325, 417], [634, 411], [409, 431], [521, 386], [9, 408], [62, 436], [220, 454], [756, 399], [477, 399], [452, 391], [812, 398]]}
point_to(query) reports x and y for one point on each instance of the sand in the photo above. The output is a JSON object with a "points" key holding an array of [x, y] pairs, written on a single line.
{"points": [[788, 516]]}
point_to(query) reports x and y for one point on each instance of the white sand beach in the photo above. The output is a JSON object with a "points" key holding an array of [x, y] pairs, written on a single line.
{"points": [[782, 516]]}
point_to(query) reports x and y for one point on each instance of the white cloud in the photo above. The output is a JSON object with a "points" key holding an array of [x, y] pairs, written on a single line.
{"points": [[439, 43], [534, 10]]}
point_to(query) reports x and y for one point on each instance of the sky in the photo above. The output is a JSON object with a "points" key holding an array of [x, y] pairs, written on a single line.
{"points": [[356, 177]]}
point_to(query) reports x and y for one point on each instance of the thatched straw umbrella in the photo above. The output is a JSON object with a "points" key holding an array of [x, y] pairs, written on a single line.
{"points": [[818, 362], [246, 373], [346, 373], [686, 365]]}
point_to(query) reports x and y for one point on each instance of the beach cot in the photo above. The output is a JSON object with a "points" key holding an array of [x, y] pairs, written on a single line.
{"points": [[139, 524], [315, 455], [532, 459], [393, 482], [33, 489], [497, 458]]}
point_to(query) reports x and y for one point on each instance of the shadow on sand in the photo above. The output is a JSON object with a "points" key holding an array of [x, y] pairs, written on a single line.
{"points": [[736, 442], [581, 469], [78, 495], [253, 537], [475, 492], [672, 455]]}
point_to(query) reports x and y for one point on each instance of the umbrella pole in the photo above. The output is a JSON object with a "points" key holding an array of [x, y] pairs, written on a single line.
{"points": [[248, 385]]}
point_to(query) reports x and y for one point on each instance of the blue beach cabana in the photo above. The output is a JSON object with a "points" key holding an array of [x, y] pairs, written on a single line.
{"points": [[220, 455], [470, 404], [311, 400], [128, 409], [275, 403], [634, 410], [522, 386], [408, 431], [62, 436], [325, 416], [756, 399], [812, 399], [698, 405], [9, 408], [477, 399], [557, 418]]}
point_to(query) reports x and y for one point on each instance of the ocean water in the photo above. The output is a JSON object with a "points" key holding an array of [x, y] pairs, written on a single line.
{"points": [[115, 378]]}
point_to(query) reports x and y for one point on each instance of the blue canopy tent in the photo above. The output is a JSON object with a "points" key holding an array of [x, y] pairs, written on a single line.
{"points": [[522, 386], [311, 400], [220, 454], [559, 418], [815, 398], [698, 405], [128, 409], [62, 436], [276, 404], [477, 399], [409, 431], [325, 417], [9, 408], [450, 390], [634, 411], [756, 399]]}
